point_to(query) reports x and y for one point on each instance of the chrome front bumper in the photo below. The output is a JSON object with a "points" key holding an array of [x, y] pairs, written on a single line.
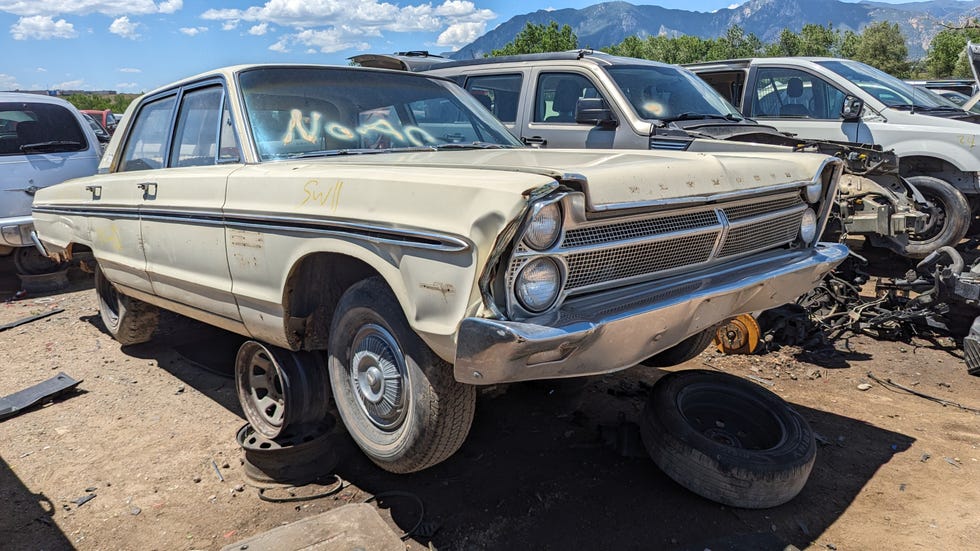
{"points": [[617, 329]]}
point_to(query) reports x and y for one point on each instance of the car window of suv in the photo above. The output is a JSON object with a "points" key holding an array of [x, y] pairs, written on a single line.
{"points": [[498, 93], [196, 137], [146, 144], [557, 95], [28, 127], [792, 93]]}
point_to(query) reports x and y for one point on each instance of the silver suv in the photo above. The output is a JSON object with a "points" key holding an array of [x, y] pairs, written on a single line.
{"points": [[587, 99], [43, 141]]}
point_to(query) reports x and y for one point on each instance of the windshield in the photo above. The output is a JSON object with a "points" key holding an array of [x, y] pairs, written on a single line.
{"points": [[311, 111], [670, 93], [886, 88]]}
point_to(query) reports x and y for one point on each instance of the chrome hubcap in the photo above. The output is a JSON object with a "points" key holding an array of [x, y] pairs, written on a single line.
{"points": [[379, 377]]}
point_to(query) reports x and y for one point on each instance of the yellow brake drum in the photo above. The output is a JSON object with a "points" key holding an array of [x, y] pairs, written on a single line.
{"points": [[739, 336]]}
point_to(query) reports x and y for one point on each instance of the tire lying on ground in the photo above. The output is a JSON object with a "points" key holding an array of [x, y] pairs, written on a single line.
{"points": [[727, 439]]}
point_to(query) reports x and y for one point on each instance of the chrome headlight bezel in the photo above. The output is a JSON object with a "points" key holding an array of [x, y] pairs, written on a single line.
{"points": [[557, 282], [549, 217], [813, 192]]}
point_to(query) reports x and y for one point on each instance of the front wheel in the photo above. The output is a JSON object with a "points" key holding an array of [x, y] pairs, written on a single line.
{"points": [[949, 217], [683, 351], [398, 400]]}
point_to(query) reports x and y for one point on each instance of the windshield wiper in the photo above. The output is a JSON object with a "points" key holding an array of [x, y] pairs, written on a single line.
{"points": [[48, 145], [472, 145], [913, 107], [689, 116]]}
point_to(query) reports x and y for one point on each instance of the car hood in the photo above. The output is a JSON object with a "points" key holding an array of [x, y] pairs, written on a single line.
{"points": [[624, 179]]}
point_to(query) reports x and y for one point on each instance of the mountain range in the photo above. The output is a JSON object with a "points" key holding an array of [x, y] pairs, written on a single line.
{"points": [[609, 23]]}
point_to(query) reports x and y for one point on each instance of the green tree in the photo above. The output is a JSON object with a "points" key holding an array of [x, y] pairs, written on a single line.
{"points": [[115, 102], [534, 39], [734, 44], [848, 44], [787, 45], [882, 45], [817, 40], [947, 53]]}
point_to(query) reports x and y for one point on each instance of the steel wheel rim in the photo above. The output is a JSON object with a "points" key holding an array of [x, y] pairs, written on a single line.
{"points": [[378, 377], [265, 394], [730, 417], [937, 217]]}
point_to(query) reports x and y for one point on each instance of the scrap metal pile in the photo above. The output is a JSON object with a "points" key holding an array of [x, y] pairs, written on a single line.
{"points": [[939, 298]]}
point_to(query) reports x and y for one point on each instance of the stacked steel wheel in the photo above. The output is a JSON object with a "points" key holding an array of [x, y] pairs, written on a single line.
{"points": [[291, 436]]}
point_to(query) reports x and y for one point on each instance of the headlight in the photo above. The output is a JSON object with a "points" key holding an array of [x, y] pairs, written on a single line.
{"points": [[537, 285], [808, 226], [544, 228], [813, 192]]}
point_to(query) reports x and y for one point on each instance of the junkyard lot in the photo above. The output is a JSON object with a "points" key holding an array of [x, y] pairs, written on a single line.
{"points": [[539, 470]]}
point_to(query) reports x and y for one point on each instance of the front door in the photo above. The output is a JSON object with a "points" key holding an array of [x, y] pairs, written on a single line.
{"points": [[797, 101], [552, 121]]}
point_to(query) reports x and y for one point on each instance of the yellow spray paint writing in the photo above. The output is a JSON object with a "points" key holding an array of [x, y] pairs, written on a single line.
{"points": [[329, 198], [968, 140]]}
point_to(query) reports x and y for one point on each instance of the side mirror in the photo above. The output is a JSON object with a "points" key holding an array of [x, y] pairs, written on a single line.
{"points": [[594, 111], [103, 137], [851, 109]]}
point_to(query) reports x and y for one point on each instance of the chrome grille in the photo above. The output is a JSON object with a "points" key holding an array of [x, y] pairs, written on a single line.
{"points": [[761, 235], [603, 265], [623, 231], [609, 253], [748, 210]]}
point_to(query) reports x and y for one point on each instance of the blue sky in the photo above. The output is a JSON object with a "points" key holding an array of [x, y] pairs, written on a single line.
{"points": [[137, 45]]}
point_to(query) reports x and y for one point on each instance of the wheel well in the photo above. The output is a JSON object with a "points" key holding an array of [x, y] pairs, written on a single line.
{"points": [[938, 168], [312, 291]]}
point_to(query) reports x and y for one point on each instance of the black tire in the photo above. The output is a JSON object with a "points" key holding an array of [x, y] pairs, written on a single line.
{"points": [[397, 398], [279, 388], [682, 351], [128, 320], [296, 457], [30, 261], [727, 439], [948, 222]]}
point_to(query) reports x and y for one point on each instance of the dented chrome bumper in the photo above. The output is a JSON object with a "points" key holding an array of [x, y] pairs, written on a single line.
{"points": [[616, 329]]}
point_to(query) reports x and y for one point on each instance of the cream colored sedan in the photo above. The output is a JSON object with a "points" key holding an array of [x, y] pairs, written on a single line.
{"points": [[380, 236]]}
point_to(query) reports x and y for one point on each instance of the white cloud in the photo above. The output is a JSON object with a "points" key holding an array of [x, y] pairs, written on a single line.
{"points": [[125, 28], [733, 6], [77, 84], [461, 34], [333, 25], [8, 82], [193, 31], [41, 27], [128, 86], [41, 70], [111, 8], [130, 70]]}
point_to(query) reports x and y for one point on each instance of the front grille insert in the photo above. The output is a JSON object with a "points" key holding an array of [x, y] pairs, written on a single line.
{"points": [[609, 253]]}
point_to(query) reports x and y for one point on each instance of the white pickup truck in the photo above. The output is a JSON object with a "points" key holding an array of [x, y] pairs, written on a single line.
{"points": [[837, 99]]}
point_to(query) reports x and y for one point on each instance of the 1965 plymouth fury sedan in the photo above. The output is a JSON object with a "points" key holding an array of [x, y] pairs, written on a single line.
{"points": [[379, 235]]}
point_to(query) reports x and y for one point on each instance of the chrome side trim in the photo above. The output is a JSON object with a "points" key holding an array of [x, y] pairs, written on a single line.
{"points": [[406, 237]]}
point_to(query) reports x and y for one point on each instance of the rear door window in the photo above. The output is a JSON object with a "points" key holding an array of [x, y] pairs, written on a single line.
{"points": [[498, 93], [28, 127], [147, 143]]}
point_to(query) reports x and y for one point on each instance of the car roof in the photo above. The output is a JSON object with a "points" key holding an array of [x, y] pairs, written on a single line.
{"points": [[746, 61], [229, 72], [414, 63], [33, 98]]}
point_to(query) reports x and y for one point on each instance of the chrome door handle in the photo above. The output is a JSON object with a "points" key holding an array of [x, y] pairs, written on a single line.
{"points": [[535, 141]]}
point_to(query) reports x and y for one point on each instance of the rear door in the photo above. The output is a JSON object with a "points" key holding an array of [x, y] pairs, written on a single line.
{"points": [[181, 219]]}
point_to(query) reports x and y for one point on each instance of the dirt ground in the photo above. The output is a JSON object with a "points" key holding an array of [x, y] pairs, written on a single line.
{"points": [[541, 469]]}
